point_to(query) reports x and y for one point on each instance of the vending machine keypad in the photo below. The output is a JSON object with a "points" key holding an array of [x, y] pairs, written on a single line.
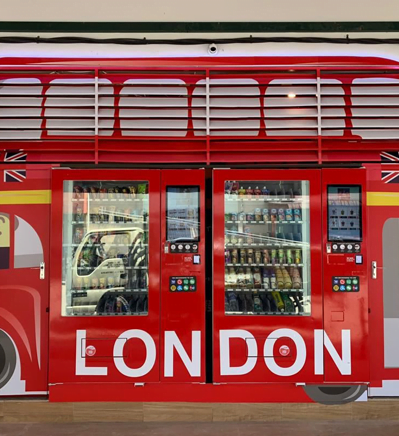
{"points": [[183, 284], [345, 284]]}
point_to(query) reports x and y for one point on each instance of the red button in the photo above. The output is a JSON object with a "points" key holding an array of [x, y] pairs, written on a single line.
{"points": [[179, 282], [341, 281]]}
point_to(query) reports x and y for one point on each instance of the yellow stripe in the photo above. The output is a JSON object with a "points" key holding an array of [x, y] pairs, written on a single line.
{"points": [[383, 199], [25, 197]]}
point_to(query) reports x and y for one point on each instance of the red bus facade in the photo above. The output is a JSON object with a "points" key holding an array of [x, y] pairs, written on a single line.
{"points": [[188, 230]]}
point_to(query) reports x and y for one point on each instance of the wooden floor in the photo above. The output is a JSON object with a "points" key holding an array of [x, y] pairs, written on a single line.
{"points": [[42, 411]]}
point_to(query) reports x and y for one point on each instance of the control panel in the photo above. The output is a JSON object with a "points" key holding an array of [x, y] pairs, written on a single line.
{"points": [[183, 247], [345, 284], [344, 247], [183, 284]]}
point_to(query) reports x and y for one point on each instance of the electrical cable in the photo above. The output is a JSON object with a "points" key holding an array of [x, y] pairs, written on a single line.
{"points": [[195, 41]]}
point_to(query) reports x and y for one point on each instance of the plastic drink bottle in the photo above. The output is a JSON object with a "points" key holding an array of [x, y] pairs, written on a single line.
{"points": [[233, 303], [273, 304], [278, 300], [289, 305], [249, 278], [257, 304], [257, 278], [265, 279], [265, 302]]}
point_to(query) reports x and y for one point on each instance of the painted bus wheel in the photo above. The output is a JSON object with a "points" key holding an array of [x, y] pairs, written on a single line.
{"points": [[334, 394], [8, 358]]}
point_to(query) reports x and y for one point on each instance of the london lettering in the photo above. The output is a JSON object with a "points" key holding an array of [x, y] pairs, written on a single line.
{"points": [[192, 358]]}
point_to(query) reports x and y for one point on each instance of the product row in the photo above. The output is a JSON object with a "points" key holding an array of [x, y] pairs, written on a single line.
{"points": [[234, 188], [263, 278], [269, 303], [97, 192], [293, 213], [252, 256], [233, 236], [110, 214]]}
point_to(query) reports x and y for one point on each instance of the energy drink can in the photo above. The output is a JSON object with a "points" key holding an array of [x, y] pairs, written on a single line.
{"points": [[281, 256], [273, 256], [227, 256], [273, 215], [289, 256], [241, 216], [258, 214], [265, 279], [297, 214], [298, 256], [281, 215], [233, 216], [258, 256]]}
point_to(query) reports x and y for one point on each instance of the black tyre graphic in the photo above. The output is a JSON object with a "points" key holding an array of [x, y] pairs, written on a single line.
{"points": [[334, 394], [8, 358]]}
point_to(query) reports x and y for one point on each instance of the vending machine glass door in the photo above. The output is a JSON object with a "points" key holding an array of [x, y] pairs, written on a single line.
{"points": [[267, 275]]}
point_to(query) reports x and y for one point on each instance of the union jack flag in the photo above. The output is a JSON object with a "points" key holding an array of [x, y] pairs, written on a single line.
{"points": [[390, 167], [15, 157]]}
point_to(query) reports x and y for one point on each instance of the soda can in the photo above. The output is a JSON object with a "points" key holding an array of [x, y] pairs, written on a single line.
{"points": [[226, 239], [241, 216], [274, 256], [289, 256], [281, 256], [258, 256], [266, 214], [298, 256], [281, 215], [240, 240], [233, 216], [273, 215], [297, 215], [258, 214], [227, 256], [288, 215]]}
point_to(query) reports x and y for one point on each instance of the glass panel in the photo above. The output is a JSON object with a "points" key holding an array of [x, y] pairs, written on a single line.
{"points": [[182, 213], [390, 240], [344, 213], [267, 251], [105, 248]]}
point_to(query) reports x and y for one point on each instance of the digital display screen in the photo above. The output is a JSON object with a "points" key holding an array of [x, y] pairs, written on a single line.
{"points": [[182, 213], [344, 213]]}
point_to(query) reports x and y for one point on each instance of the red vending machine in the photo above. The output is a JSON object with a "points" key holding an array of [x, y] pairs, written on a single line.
{"points": [[290, 280], [128, 284]]}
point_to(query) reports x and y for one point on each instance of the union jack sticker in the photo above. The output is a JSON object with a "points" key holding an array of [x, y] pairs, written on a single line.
{"points": [[15, 157], [390, 167]]}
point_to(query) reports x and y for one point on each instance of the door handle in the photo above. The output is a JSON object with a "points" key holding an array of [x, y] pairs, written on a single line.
{"points": [[42, 271], [374, 269]]}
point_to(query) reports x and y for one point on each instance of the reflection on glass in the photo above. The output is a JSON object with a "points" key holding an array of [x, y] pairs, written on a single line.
{"points": [[182, 214], [105, 248], [267, 256], [344, 213]]}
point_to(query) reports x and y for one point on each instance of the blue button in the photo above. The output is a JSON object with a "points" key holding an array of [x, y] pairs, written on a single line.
{"points": [[336, 281], [173, 281], [341, 288], [180, 288]]}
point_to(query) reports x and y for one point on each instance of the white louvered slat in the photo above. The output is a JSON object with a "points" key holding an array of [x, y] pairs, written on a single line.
{"points": [[382, 101], [230, 107]]}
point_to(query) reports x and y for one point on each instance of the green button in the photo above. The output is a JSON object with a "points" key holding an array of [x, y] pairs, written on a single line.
{"points": [[348, 281], [355, 282], [349, 288], [185, 287], [192, 282]]}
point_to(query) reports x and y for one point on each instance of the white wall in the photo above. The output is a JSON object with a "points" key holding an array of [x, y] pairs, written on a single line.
{"points": [[199, 10]]}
